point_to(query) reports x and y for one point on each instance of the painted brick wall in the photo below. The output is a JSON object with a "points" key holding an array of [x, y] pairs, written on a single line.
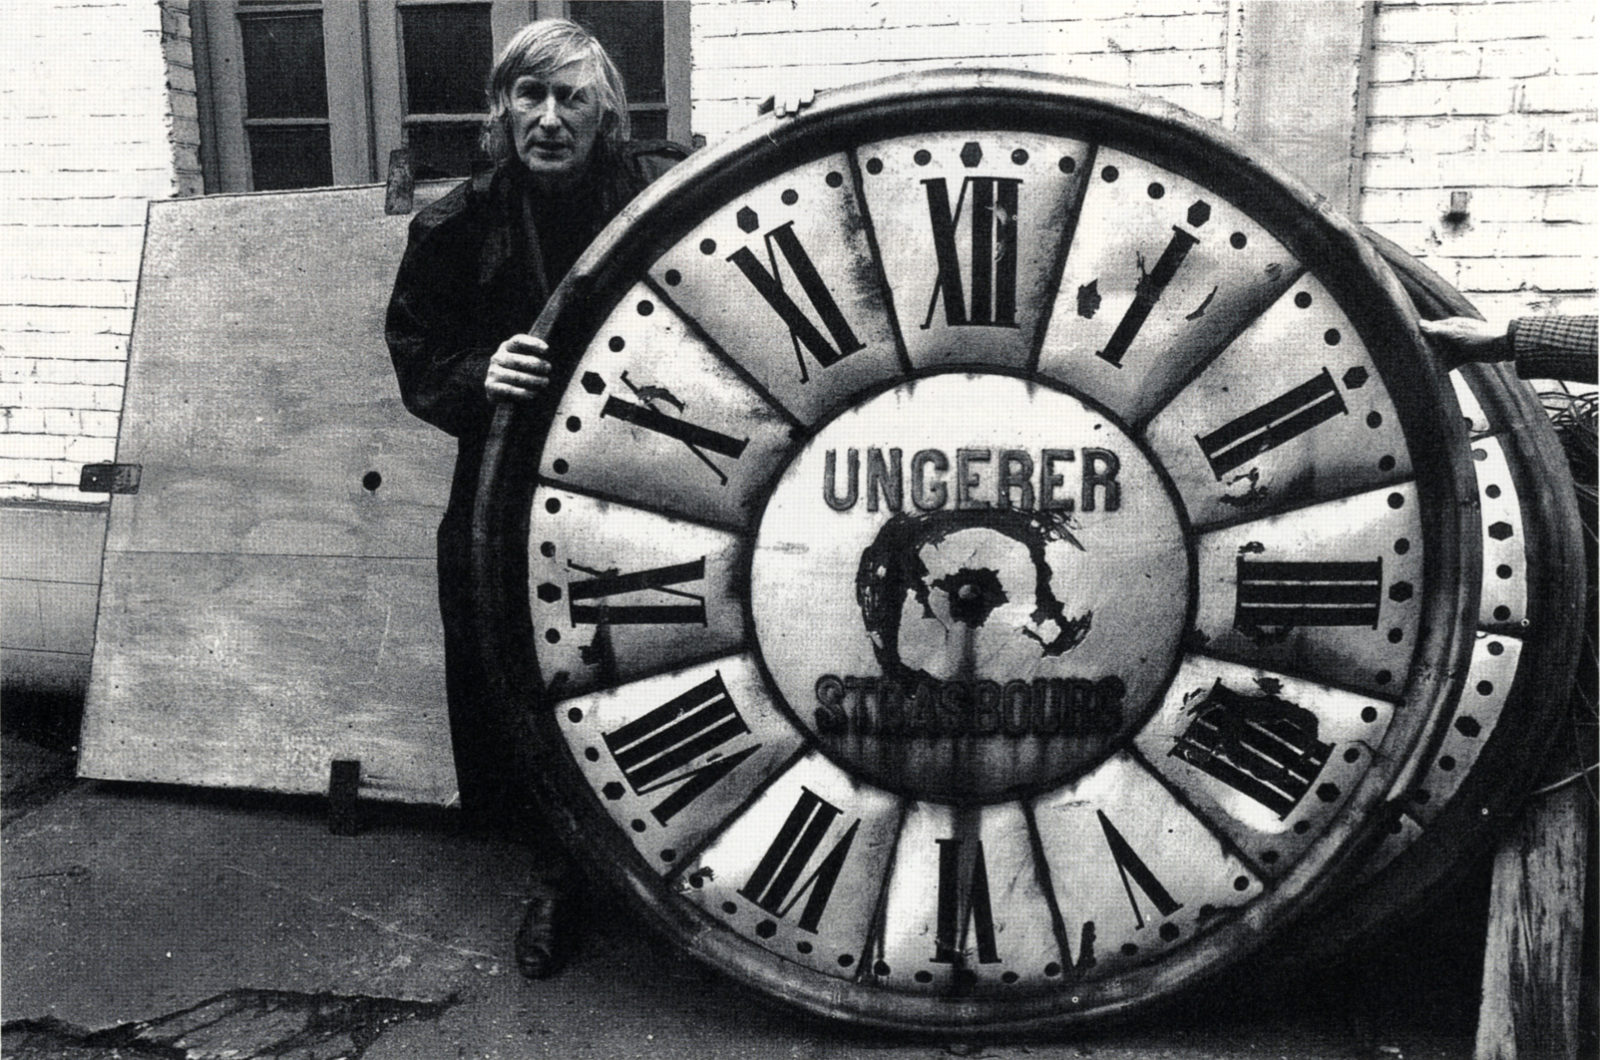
{"points": [[1494, 98], [1497, 100], [744, 49], [87, 136]]}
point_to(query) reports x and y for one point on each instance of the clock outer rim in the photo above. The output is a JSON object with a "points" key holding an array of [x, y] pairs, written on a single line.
{"points": [[930, 101]]}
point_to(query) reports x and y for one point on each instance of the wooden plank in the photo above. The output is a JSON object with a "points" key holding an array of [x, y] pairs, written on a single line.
{"points": [[269, 599], [259, 671], [47, 616], [1530, 966], [49, 586], [260, 395]]}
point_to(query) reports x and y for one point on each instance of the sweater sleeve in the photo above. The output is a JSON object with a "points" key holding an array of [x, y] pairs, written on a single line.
{"points": [[1555, 347], [440, 370]]}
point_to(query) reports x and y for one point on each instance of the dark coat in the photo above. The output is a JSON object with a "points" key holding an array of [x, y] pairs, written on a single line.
{"points": [[473, 276]]}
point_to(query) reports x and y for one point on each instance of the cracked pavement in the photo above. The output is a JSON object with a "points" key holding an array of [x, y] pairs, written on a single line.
{"points": [[143, 921]]}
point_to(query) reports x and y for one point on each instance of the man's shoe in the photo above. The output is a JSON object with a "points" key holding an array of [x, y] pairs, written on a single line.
{"points": [[538, 943]]}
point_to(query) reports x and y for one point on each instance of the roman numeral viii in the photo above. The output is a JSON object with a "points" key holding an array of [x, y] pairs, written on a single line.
{"points": [[657, 750], [1282, 419], [805, 333], [611, 583], [994, 252], [776, 886], [1307, 593]]}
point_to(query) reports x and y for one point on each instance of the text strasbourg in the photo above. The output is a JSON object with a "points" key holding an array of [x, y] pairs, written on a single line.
{"points": [[1045, 706]]}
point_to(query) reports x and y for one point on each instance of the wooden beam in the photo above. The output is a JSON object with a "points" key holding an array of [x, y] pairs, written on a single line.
{"points": [[1530, 966], [1297, 74]]}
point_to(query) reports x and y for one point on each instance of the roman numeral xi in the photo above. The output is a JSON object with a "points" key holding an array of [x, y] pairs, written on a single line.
{"points": [[806, 335]]}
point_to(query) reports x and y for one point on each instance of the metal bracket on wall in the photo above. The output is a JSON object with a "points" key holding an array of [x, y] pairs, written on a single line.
{"points": [[109, 478]]}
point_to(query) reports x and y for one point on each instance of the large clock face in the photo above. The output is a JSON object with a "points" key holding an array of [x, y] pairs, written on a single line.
{"points": [[994, 549]]}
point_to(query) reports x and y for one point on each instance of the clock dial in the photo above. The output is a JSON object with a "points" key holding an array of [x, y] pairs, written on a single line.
{"points": [[1471, 766], [1135, 873], [1268, 759], [677, 754], [618, 593], [1163, 273], [1291, 412], [1503, 602], [970, 584], [966, 908], [782, 280], [988, 562], [799, 873]]}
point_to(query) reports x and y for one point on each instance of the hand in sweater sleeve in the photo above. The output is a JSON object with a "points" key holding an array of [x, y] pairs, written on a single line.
{"points": [[1555, 347], [1549, 347]]}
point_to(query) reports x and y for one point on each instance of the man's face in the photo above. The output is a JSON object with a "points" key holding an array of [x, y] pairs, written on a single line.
{"points": [[555, 120]]}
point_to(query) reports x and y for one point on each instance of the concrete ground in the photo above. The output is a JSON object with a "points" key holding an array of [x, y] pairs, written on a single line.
{"points": [[157, 922]]}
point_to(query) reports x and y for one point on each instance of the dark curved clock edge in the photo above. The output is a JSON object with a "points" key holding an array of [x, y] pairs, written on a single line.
{"points": [[1484, 807], [501, 524]]}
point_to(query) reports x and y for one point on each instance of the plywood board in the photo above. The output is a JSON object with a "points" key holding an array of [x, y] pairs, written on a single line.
{"points": [[260, 393], [258, 671], [269, 598]]}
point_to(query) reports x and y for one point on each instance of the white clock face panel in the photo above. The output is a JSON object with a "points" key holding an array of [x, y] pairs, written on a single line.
{"points": [[981, 564]]}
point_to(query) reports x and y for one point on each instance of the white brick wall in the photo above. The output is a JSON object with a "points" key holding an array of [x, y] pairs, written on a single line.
{"points": [[1497, 100], [97, 117], [744, 49], [1494, 98]]}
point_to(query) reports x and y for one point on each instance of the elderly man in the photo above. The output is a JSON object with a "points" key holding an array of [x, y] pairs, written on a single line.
{"points": [[479, 266]]}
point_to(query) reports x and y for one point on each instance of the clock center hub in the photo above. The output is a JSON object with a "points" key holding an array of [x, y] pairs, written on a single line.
{"points": [[970, 585]]}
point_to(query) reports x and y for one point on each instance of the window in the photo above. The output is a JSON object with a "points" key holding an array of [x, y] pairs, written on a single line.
{"points": [[301, 93]]}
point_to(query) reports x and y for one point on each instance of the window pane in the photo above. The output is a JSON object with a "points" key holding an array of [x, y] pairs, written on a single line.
{"points": [[283, 72], [649, 125], [442, 150], [290, 157], [448, 51], [634, 35]]}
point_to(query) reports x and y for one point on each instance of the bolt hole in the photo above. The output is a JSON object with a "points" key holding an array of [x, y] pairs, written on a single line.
{"points": [[371, 481]]}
